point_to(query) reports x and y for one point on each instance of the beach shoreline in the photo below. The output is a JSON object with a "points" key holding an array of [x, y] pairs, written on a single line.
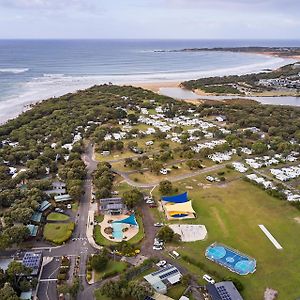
{"points": [[12, 107]]}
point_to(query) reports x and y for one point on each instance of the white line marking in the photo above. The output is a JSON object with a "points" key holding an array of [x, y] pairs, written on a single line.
{"points": [[270, 237]]}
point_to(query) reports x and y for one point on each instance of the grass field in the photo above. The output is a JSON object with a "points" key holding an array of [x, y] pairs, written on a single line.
{"points": [[176, 291], [57, 217], [58, 232], [232, 214], [112, 267]]}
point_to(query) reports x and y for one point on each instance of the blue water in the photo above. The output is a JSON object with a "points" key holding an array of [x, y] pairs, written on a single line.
{"points": [[117, 231], [183, 94], [229, 258], [32, 70]]}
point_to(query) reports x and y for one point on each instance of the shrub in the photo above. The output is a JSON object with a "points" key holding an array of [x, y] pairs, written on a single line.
{"points": [[110, 274], [61, 276]]}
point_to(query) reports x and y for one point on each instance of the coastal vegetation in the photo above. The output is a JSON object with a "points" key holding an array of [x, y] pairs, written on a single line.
{"points": [[241, 84], [45, 144]]}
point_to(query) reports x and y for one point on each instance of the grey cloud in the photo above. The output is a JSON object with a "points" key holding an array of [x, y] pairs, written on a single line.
{"points": [[47, 4]]}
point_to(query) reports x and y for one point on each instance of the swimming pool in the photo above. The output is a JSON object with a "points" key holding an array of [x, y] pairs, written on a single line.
{"points": [[117, 231], [231, 259]]}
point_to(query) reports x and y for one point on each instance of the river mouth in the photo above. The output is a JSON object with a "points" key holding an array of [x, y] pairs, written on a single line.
{"points": [[183, 94]]}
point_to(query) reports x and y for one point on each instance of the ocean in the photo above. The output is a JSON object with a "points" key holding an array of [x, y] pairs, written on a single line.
{"points": [[33, 70]]}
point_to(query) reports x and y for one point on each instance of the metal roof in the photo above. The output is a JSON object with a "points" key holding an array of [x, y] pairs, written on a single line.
{"points": [[33, 260]]}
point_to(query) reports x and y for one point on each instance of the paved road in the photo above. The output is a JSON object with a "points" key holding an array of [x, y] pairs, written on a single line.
{"points": [[133, 183], [47, 286], [80, 247]]}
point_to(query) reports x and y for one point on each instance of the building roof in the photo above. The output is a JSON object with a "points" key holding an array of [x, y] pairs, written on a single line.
{"points": [[160, 278], [33, 229], [58, 185], [180, 208], [224, 290], [213, 292], [26, 295], [181, 198], [228, 291], [4, 263], [114, 206], [131, 220], [110, 200], [44, 205], [62, 198], [33, 260], [36, 217]]}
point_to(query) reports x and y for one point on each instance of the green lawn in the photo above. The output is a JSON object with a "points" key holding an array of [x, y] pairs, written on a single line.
{"points": [[176, 291], [75, 206], [232, 214], [57, 217], [100, 239], [58, 232], [112, 266]]}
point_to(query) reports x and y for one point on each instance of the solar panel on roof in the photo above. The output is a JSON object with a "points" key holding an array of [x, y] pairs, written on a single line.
{"points": [[163, 276]]}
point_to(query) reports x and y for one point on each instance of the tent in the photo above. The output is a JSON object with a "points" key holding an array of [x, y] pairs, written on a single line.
{"points": [[131, 220], [181, 198], [180, 208]]}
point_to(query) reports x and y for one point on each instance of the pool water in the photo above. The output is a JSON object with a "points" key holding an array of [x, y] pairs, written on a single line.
{"points": [[117, 231]]}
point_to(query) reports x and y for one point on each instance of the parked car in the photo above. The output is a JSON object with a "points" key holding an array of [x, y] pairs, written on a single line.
{"points": [[163, 171], [158, 242], [174, 254], [157, 248], [161, 263], [69, 206], [59, 210], [207, 278], [158, 225]]}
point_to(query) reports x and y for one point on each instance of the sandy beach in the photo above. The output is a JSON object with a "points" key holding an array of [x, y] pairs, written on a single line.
{"points": [[155, 86]]}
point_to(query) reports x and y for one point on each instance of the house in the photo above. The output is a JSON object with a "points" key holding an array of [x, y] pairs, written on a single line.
{"points": [[163, 278], [62, 198], [33, 260], [33, 229], [149, 143], [112, 206], [224, 290], [221, 118], [58, 188], [26, 295], [44, 206], [105, 153], [36, 217]]}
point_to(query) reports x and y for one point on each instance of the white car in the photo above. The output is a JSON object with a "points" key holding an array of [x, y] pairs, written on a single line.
{"points": [[161, 263], [157, 248], [149, 201], [208, 279], [158, 225], [174, 254], [69, 206], [163, 171]]}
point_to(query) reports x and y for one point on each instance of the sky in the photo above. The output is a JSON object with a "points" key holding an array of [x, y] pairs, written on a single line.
{"points": [[150, 19]]}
